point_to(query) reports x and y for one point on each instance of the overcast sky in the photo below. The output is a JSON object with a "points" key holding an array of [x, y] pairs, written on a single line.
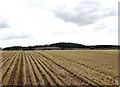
{"points": [[35, 22]]}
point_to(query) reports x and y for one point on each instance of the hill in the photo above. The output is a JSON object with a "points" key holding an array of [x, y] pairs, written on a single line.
{"points": [[67, 45], [62, 46]]}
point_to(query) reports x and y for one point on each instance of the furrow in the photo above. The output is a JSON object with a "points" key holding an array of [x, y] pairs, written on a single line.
{"points": [[8, 70], [54, 74], [14, 71], [84, 79], [55, 79], [34, 73], [28, 77], [24, 70], [20, 81], [67, 77], [109, 79], [43, 73], [4, 63]]}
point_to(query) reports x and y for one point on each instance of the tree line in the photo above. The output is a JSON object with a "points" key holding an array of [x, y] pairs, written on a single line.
{"points": [[63, 46]]}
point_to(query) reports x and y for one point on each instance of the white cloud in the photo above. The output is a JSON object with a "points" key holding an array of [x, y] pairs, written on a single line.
{"points": [[42, 21]]}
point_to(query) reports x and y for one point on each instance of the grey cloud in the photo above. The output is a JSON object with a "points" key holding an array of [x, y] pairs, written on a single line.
{"points": [[65, 32], [101, 26], [112, 30], [3, 24], [87, 12], [106, 28], [16, 36]]}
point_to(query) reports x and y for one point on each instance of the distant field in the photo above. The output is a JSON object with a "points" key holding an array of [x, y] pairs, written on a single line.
{"points": [[59, 67]]}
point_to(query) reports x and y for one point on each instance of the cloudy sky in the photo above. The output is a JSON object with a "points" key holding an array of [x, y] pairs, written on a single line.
{"points": [[35, 22]]}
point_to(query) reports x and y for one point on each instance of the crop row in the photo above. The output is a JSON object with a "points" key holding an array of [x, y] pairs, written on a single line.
{"points": [[80, 68], [52, 68]]}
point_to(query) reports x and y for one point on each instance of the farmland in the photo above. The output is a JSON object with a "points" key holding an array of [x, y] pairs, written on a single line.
{"points": [[59, 67]]}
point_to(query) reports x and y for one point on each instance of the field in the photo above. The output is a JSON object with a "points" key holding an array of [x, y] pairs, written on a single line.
{"points": [[59, 67]]}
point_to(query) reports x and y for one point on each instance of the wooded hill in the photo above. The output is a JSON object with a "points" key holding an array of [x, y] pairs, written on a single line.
{"points": [[62, 46]]}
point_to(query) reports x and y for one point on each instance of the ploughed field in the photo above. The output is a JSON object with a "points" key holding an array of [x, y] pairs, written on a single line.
{"points": [[59, 67]]}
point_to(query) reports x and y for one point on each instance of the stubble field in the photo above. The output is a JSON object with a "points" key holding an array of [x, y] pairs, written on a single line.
{"points": [[59, 67]]}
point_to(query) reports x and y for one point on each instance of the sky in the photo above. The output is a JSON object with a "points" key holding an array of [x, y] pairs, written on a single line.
{"points": [[39, 22]]}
